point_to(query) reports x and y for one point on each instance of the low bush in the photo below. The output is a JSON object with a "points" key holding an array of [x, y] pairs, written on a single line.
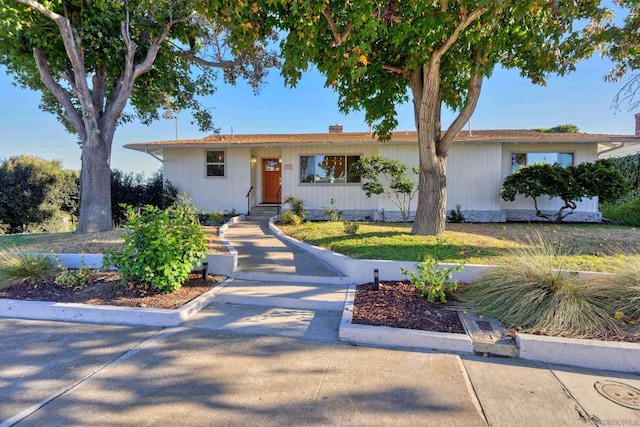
{"points": [[161, 247], [17, 266], [455, 215], [74, 278], [533, 291], [433, 282], [331, 212], [351, 228], [289, 217], [297, 207], [625, 211]]}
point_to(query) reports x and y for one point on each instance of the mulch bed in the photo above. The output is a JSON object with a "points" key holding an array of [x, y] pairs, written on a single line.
{"points": [[400, 305], [105, 288]]}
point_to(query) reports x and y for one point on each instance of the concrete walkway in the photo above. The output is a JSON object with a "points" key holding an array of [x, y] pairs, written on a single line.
{"points": [[267, 353]]}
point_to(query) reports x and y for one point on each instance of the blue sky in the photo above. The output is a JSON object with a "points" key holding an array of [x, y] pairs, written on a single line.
{"points": [[507, 102]]}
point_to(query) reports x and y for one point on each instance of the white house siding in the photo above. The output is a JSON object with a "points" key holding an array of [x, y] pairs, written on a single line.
{"points": [[348, 197], [186, 169], [474, 181], [521, 209]]}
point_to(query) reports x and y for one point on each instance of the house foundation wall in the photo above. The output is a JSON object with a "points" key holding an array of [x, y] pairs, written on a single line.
{"points": [[508, 215]]}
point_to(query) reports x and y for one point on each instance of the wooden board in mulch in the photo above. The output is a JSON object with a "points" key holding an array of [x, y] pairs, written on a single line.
{"points": [[400, 305], [105, 288]]}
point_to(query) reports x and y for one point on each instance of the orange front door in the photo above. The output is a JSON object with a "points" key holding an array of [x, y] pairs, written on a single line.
{"points": [[271, 181]]}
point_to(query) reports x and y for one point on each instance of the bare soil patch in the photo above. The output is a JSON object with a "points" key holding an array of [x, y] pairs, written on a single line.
{"points": [[105, 288], [400, 305]]}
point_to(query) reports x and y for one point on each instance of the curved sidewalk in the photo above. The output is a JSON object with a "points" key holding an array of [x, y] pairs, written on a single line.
{"points": [[261, 253]]}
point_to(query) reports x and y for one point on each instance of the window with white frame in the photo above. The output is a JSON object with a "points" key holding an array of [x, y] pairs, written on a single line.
{"points": [[520, 160], [216, 163], [327, 169]]}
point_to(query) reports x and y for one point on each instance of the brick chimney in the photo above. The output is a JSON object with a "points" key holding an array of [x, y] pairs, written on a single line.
{"points": [[638, 124], [337, 128]]}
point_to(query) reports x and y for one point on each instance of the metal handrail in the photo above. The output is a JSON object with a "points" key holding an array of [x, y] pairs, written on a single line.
{"points": [[249, 201], [278, 195]]}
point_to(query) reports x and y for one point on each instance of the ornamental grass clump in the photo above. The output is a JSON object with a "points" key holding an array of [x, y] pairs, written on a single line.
{"points": [[623, 294], [161, 247], [534, 292], [16, 266]]}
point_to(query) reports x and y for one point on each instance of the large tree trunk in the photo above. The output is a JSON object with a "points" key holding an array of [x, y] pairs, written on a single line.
{"points": [[95, 185], [432, 183]]}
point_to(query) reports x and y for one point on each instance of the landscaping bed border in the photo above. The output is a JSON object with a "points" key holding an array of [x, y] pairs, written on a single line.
{"points": [[107, 314]]}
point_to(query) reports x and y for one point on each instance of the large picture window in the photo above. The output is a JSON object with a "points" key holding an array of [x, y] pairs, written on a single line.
{"points": [[327, 169], [520, 160], [216, 163]]}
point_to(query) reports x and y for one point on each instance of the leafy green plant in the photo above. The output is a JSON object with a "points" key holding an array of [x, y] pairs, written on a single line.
{"points": [[290, 218], [351, 228], [571, 184], [17, 266], [455, 215], [297, 207], [534, 291], [432, 280], [388, 177], [74, 278], [331, 212], [161, 246], [625, 211]]}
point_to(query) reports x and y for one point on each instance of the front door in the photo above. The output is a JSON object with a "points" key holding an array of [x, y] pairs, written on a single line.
{"points": [[271, 181]]}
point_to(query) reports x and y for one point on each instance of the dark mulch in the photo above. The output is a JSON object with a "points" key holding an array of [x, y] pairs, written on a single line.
{"points": [[105, 288], [400, 305]]}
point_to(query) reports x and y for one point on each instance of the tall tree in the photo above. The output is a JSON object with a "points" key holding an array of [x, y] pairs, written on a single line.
{"points": [[377, 53], [90, 58], [623, 47]]}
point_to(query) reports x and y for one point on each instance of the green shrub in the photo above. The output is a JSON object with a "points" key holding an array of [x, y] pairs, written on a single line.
{"points": [[625, 211], [297, 207], [18, 266], [351, 228], [289, 217], [533, 291], [70, 278], [160, 246], [433, 281], [455, 215], [331, 212]]}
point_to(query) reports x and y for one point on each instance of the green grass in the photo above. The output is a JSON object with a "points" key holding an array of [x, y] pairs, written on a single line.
{"points": [[593, 247]]}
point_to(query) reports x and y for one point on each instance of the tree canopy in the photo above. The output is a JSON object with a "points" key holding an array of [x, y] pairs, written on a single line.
{"points": [[622, 45], [377, 54], [89, 59], [570, 184]]}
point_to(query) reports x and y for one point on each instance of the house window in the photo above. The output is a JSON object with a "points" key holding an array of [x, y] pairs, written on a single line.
{"points": [[327, 169], [520, 160], [216, 163]]}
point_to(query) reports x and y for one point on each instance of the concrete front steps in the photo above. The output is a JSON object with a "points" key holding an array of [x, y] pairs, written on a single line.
{"points": [[260, 212], [303, 311]]}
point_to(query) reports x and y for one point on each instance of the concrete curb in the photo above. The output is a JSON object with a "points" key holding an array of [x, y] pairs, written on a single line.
{"points": [[594, 354], [409, 339], [107, 314], [361, 270]]}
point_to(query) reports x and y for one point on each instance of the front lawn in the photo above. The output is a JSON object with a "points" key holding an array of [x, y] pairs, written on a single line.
{"points": [[593, 247]]}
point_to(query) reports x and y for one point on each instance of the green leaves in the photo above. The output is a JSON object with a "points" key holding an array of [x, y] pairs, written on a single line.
{"points": [[570, 184], [161, 246]]}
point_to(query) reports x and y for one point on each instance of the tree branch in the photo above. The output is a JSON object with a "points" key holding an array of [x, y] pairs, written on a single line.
{"points": [[71, 44], [459, 29], [395, 70], [338, 37], [473, 94], [61, 95], [216, 64]]}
